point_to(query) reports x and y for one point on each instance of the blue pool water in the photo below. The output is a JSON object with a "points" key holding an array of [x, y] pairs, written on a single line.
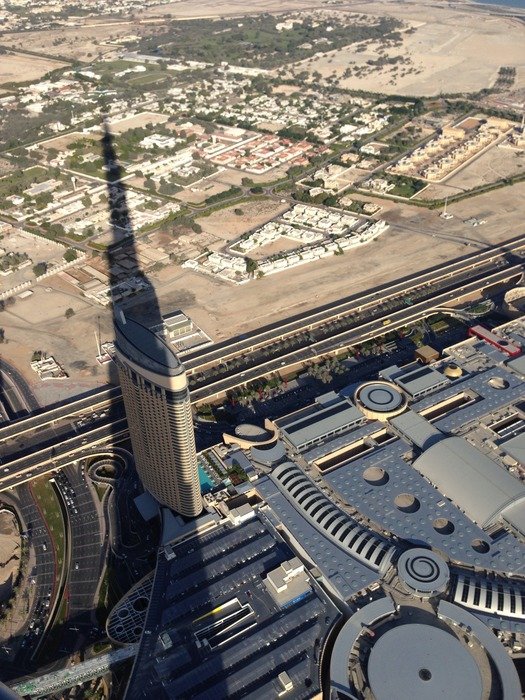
{"points": [[206, 483]]}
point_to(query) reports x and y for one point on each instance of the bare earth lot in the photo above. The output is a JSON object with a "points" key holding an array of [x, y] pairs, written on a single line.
{"points": [[196, 194], [414, 242], [493, 165], [63, 142], [39, 250], [225, 225], [9, 552], [452, 49], [16, 68], [139, 120], [81, 43]]}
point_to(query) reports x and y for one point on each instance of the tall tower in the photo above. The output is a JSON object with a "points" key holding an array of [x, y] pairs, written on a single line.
{"points": [[158, 409]]}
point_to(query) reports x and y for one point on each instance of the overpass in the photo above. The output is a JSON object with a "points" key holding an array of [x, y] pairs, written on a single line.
{"points": [[339, 341], [57, 681], [97, 401], [217, 353], [47, 457]]}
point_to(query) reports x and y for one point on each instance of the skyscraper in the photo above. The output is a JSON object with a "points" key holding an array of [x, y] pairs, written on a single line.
{"points": [[158, 409]]}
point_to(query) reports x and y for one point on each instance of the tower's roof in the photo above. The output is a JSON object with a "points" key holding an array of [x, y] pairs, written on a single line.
{"points": [[145, 348]]}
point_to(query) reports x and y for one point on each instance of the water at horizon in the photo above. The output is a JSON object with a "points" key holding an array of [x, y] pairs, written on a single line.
{"points": [[505, 3]]}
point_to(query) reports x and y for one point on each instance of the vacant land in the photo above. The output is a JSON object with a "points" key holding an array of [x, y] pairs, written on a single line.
{"points": [[40, 250], [198, 193], [225, 225], [83, 43], [17, 67], [235, 177], [417, 239], [138, 121], [453, 50], [9, 552], [210, 8], [495, 164], [60, 143]]}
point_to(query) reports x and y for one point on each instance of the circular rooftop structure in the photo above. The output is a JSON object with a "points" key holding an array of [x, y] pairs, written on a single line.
{"points": [[401, 651], [423, 572], [248, 431], [452, 371], [423, 662], [380, 400]]}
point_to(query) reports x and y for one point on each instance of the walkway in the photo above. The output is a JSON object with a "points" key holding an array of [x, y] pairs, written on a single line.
{"points": [[73, 675]]}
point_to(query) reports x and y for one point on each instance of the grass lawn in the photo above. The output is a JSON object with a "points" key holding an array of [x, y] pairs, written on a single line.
{"points": [[48, 502], [17, 182], [147, 78], [101, 490]]}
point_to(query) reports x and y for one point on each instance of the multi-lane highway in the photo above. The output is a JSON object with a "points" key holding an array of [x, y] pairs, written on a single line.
{"points": [[55, 438], [217, 353], [96, 401], [42, 570], [215, 386], [86, 535]]}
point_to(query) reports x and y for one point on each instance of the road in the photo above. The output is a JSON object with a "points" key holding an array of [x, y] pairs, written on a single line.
{"points": [[86, 530], [219, 352], [43, 452], [41, 577], [9, 375], [215, 387]]}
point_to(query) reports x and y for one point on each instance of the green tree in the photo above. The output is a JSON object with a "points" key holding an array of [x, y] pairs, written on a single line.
{"points": [[39, 269], [251, 265], [69, 312], [70, 255]]}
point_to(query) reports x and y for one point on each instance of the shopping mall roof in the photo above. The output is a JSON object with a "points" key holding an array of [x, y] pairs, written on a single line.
{"points": [[478, 485], [321, 423], [424, 662]]}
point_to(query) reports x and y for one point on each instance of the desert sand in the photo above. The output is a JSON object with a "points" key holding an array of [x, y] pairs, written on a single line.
{"points": [[450, 49], [17, 67], [9, 552]]}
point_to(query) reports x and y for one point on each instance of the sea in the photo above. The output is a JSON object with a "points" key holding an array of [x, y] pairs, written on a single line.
{"points": [[506, 3]]}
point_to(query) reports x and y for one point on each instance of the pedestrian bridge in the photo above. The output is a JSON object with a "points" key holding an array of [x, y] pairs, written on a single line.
{"points": [[73, 675]]}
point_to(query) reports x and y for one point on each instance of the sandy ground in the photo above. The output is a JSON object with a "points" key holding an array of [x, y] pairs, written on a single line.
{"points": [[197, 193], [493, 165], [62, 142], [210, 8], [225, 225], [234, 177], [414, 242], [139, 120], [9, 552], [39, 250], [81, 43], [16, 68], [452, 49]]}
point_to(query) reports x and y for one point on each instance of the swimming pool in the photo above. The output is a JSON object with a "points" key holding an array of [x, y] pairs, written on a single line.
{"points": [[206, 482]]}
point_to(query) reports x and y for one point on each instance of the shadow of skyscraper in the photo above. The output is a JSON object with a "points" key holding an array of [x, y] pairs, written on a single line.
{"points": [[156, 400], [153, 380]]}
